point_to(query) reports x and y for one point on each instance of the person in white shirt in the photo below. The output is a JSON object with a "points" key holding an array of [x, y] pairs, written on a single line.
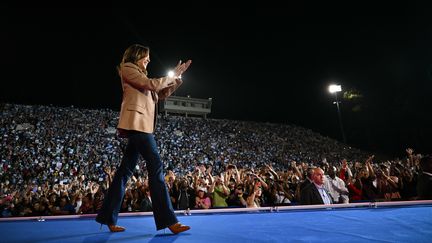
{"points": [[336, 186]]}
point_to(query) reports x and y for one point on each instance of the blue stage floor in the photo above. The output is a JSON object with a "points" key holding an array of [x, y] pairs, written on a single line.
{"points": [[387, 224]]}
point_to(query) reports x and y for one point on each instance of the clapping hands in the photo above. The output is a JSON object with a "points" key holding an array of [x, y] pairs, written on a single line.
{"points": [[181, 68]]}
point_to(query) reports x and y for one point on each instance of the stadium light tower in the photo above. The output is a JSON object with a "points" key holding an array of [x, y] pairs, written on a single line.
{"points": [[334, 89]]}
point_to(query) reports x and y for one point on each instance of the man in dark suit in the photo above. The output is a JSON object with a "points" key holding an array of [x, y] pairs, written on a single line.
{"points": [[424, 182], [314, 193], [146, 203]]}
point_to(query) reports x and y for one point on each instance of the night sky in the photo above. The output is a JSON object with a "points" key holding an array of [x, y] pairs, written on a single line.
{"points": [[269, 65]]}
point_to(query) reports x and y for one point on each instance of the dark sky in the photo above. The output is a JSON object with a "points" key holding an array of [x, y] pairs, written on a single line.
{"points": [[259, 64]]}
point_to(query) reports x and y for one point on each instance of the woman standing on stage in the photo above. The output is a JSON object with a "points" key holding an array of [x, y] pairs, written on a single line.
{"points": [[137, 122]]}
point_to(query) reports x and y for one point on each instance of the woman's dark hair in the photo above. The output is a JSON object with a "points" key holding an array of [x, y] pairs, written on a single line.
{"points": [[134, 53]]}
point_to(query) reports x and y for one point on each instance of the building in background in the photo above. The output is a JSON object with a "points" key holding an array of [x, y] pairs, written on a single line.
{"points": [[187, 106]]}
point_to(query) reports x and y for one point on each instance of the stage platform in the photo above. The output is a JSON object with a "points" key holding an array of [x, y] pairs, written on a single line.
{"points": [[356, 222]]}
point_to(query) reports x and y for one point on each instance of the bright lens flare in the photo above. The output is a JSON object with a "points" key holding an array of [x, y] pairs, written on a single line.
{"points": [[171, 75], [335, 88]]}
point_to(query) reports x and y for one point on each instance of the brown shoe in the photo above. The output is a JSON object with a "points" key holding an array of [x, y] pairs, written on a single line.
{"points": [[178, 228], [116, 228]]}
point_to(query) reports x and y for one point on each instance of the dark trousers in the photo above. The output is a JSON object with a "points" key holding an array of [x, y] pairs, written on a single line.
{"points": [[163, 212]]}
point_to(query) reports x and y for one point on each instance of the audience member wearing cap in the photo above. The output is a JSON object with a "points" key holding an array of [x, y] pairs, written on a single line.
{"points": [[202, 200]]}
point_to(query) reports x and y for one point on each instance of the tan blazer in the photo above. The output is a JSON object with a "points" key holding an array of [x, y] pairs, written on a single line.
{"points": [[140, 97]]}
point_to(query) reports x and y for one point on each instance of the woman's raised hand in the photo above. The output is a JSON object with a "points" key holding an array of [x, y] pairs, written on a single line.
{"points": [[181, 68]]}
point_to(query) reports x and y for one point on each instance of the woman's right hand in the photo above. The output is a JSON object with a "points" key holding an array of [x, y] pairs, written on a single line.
{"points": [[181, 68]]}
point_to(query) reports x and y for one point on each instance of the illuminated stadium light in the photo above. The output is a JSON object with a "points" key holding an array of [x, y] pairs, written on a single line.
{"points": [[335, 88]]}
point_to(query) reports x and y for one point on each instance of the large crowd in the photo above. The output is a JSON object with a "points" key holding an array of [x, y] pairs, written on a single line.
{"points": [[60, 160]]}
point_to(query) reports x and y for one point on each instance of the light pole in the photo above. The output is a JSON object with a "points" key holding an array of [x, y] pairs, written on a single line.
{"points": [[334, 89]]}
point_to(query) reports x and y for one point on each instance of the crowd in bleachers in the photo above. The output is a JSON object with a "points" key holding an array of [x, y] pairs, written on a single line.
{"points": [[60, 160]]}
